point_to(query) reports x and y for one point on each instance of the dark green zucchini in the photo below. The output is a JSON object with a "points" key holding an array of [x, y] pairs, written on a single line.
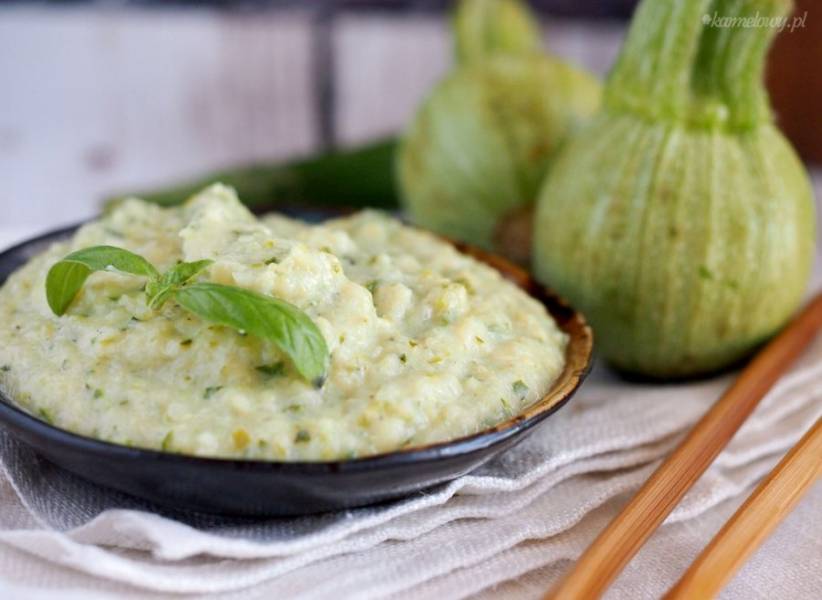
{"points": [[350, 178]]}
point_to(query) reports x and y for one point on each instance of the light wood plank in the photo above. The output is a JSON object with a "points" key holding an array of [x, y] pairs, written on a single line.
{"points": [[100, 100]]}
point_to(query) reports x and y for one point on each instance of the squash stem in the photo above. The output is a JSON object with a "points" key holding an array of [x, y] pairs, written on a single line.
{"points": [[698, 62], [652, 74], [728, 72], [484, 28]]}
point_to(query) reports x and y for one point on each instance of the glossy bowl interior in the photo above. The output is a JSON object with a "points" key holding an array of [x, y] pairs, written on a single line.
{"points": [[257, 488]]}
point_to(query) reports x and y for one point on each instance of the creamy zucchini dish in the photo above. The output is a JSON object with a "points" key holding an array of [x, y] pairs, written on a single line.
{"points": [[413, 342]]}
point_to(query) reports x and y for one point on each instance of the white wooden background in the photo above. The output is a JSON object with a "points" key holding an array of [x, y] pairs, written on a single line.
{"points": [[100, 100]]}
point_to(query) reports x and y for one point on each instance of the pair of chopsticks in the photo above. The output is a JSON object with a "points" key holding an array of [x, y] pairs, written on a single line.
{"points": [[756, 518]]}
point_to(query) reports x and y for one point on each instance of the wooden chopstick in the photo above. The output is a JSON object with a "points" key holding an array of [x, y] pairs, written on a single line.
{"points": [[622, 538], [771, 502]]}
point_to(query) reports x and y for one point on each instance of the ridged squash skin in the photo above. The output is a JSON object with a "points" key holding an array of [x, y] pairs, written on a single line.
{"points": [[481, 142], [686, 236]]}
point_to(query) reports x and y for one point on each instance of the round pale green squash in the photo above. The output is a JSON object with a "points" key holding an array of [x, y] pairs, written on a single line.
{"points": [[680, 220], [482, 141]]}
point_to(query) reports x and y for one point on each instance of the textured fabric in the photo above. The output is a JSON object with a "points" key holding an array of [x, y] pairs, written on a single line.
{"points": [[510, 527]]}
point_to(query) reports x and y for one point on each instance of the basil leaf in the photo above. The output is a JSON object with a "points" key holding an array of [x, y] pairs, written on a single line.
{"points": [[158, 290], [66, 277], [294, 333]]}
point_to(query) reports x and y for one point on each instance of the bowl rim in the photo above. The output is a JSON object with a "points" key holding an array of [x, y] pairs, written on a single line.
{"points": [[578, 363]]}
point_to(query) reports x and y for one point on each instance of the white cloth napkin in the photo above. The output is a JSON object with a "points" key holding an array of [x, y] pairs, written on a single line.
{"points": [[509, 527]]}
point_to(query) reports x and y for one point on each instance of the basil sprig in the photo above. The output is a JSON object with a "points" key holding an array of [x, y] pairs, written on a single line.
{"points": [[277, 321], [161, 288], [66, 277], [294, 333]]}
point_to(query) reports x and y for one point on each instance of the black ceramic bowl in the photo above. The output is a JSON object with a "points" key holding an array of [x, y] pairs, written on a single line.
{"points": [[254, 487]]}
